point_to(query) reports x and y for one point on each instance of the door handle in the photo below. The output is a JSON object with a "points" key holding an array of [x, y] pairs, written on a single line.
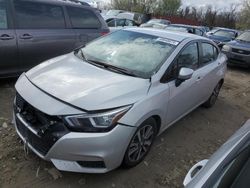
{"points": [[6, 37], [26, 36]]}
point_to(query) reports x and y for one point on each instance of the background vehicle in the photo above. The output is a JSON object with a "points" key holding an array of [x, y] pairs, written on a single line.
{"points": [[221, 36], [228, 167], [43, 29], [157, 22], [186, 29], [110, 99], [90, 2], [119, 23], [238, 50], [112, 14]]}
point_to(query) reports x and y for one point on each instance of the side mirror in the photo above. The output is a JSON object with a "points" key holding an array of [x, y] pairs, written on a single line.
{"points": [[194, 171], [184, 74]]}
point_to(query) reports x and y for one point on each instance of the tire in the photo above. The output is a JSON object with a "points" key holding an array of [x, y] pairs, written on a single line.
{"points": [[213, 98], [137, 150]]}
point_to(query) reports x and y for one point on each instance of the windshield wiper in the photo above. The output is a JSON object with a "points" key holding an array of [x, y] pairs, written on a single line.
{"points": [[114, 68]]}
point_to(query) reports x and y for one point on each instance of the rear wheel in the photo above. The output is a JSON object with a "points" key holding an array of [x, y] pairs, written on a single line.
{"points": [[140, 144], [212, 99]]}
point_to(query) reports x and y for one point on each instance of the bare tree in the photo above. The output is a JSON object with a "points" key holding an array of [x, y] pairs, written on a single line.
{"points": [[244, 21]]}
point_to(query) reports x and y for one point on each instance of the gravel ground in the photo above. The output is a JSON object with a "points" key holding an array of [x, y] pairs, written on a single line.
{"points": [[193, 138]]}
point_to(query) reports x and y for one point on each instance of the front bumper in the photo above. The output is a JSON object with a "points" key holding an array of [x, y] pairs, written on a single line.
{"points": [[84, 152], [238, 59]]}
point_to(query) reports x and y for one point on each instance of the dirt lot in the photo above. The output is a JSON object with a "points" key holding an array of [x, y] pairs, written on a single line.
{"points": [[193, 138]]}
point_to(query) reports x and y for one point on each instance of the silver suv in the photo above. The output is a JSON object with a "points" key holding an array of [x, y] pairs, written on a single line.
{"points": [[103, 105]]}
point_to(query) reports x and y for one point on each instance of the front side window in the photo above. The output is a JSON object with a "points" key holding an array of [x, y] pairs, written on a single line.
{"points": [[189, 57], [210, 53], [83, 19], [141, 53], [3, 15], [31, 15]]}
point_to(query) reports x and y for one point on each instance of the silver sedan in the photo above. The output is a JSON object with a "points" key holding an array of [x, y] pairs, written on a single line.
{"points": [[103, 105]]}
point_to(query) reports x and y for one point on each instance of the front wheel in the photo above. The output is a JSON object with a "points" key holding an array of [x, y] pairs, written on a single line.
{"points": [[212, 99], [140, 143]]}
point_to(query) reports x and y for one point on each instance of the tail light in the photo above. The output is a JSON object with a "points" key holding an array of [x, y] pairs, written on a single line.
{"points": [[104, 33]]}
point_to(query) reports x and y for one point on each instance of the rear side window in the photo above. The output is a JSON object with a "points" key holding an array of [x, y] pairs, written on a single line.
{"points": [[31, 15], [83, 19], [210, 53], [3, 15]]}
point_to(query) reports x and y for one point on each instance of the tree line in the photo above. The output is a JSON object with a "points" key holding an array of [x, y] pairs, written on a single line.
{"points": [[234, 17]]}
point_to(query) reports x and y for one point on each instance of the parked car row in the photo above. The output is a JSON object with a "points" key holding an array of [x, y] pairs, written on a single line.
{"points": [[102, 103]]}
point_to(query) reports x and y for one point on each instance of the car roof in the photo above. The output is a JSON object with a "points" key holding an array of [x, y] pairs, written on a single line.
{"points": [[184, 25], [177, 36], [61, 2], [227, 29]]}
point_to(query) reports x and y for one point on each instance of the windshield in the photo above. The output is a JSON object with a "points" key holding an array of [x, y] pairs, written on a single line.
{"points": [[139, 53], [244, 37], [223, 33]]}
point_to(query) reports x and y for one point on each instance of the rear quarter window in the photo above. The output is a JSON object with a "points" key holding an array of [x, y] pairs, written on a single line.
{"points": [[83, 19]]}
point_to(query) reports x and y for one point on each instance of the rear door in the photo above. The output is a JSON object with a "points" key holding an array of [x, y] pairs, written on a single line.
{"points": [[208, 68], [85, 23], [9, 63], [42, 32]]}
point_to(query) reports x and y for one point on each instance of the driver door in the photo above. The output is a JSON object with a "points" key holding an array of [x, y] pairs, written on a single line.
{"points": [[188, 95]]}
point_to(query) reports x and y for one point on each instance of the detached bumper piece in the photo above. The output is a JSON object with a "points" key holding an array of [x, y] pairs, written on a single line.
{"points": [[36, 128]]}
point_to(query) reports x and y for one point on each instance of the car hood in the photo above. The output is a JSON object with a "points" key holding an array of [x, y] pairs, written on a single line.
{"points": [[219, 38], [239, 44], [86, 86]]}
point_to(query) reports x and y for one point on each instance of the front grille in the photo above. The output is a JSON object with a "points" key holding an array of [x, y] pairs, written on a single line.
{"points": [[48, 128], [239, 51]]}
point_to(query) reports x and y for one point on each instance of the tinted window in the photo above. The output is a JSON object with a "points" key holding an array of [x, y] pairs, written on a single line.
{"points": [[31, 15], [111, 23], [210, 53], [189, 57], [83, 19], [3, 15]]}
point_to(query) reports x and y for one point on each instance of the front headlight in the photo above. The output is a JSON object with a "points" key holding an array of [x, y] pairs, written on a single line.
{"points": [[226, 48], [96, 122]]}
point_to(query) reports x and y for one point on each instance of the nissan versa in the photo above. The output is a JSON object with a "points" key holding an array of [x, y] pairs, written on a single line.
{"points": [[102, 106]]}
